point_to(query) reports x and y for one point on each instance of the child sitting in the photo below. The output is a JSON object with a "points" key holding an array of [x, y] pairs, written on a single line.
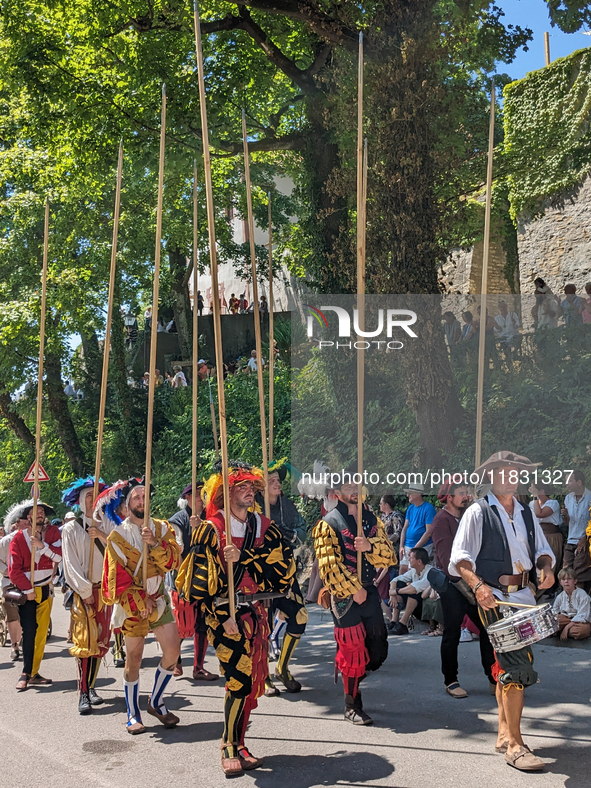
{"points": [[572, 608]]}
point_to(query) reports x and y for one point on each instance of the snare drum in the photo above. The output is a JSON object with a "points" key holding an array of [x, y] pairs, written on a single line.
{"points": [[523, 628]]}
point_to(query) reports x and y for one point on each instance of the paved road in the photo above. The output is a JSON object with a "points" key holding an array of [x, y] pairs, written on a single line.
{"points": [[421, 736]]}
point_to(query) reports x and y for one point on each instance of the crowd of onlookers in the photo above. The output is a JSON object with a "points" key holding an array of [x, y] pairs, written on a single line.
{"points": [[423, 535]]}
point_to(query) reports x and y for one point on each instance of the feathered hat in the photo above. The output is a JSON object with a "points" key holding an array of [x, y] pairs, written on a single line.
{"points": [[315, 485], [238, 473], [130, 484], [29, 505], [71, 496], [107, 503], [284, 469], [14, 513]]}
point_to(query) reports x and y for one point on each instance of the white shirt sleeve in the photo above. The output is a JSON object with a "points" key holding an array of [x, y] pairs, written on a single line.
{"points": [[75, 571], [421, 583], [405, 577], [582, 602], [556, 607], [468, 539], [542, 546]]}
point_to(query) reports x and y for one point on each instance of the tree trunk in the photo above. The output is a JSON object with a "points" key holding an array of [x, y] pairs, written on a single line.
{"points": [[58, 407], [12, 418], [181, 304]]}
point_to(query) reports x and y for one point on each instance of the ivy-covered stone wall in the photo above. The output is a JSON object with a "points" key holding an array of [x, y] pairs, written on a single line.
{"points": [[547, 153]]}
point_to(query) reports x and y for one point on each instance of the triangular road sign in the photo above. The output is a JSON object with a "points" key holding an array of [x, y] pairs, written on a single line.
{"points": [[30, 477]]}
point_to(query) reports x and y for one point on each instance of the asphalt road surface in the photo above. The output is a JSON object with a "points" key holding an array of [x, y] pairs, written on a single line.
{"points": [[421, 736]]}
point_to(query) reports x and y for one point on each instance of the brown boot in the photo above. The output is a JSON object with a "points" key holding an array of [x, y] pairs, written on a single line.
{"points": [[169, 720]]}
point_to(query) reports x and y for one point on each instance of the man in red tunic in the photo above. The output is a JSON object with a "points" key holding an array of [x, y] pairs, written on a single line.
{"points": [[262, 566], [35, 613]]}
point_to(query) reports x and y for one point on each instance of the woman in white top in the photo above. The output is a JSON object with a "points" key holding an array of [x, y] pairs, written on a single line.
{"points": [[546, 510]]}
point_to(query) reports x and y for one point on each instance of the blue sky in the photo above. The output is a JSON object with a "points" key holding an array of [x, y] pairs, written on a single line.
{"points": [[534, 14]]}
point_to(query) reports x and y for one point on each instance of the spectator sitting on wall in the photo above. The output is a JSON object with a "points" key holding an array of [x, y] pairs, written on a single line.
{"points": [[242, 304], [263, 306], [572, 306], [234, 304], [252, 361], [148, 319], [469, 328], [452, 328]]}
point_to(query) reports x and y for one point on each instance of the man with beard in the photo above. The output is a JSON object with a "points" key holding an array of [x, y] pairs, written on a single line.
{"points": [[501, 552], [189, 617], [360, 631], [140, 610], [35, 613], [90, 618], [455, 600], [263, 568]]}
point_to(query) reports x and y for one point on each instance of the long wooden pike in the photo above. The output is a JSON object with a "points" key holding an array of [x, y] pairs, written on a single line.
{"points": [[361, 200], [217, 322], [271, 338], [195, 345], [154, 332], [40, 386], [256, 314], [107, 346], [484, 285], [214, 428]]}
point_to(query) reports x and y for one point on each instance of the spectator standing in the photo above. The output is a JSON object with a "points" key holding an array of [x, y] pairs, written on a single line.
{"points": [[158, 379], [575, 514], [263, 306], [146, 380], [234, 304], [417, 525], [572, 607], [148, 319], [252, 362], [454, 601], [242, 304], [572, 306], [546, 510], [179, 380], [130, 323], [452, 329], [507, 330], [69, 390], [199, 303], [392, 519]]}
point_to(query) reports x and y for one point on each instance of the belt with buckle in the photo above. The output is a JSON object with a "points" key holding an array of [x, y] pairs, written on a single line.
{"points": [[510, 584], [247, 599]]}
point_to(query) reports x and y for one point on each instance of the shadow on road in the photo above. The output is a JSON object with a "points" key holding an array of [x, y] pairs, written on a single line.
{"points": [[338, 768]]}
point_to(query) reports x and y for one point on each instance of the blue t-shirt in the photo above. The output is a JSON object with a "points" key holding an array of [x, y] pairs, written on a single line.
{"points": [[418, 517]]}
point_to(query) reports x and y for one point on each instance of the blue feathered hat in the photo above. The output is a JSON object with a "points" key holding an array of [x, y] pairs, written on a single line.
{"points": [[71, 496], [107, 503]]}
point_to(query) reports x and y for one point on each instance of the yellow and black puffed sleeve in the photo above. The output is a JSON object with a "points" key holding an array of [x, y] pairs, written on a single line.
{"points": [[271, 565], [382, 553], [198, 578], [341, 582]]}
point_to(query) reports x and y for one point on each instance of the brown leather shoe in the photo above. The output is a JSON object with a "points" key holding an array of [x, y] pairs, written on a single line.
{"points": [[38, 681], [23, 682], [136, 728], [204, 675], [169, 720], [178, 670], [248, 761], [232, 767], [524, 760]]}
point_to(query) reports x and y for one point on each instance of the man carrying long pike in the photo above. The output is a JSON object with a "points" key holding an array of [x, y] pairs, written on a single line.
{"points": [[138, 610], [497, 549], [263, 568]]}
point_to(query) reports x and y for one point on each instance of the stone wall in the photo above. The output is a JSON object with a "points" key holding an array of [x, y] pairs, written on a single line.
{"points": [[462, 271], [557, 245]]}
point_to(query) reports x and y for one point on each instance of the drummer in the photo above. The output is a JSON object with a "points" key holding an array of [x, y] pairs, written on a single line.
{"points": [[497, 549]]}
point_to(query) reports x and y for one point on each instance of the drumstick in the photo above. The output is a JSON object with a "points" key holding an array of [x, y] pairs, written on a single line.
{"points": [[514, 604], [542, 576]]}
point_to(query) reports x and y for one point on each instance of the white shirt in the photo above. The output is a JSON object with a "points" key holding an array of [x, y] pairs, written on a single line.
{"points": [[252, 363], [468, 541], [578, 512], [179, 381], [4, 552], [76, 556], [239, 528], [412, 578], [577, 607], [507, 326], [554, 517]]}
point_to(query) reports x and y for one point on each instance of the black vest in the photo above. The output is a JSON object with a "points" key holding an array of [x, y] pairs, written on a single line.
{"points": [[345, 527], [494, 558]]}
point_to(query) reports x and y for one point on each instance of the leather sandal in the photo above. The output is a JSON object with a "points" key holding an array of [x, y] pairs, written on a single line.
{"points": [[524, 760], [169, 720], [38, 681], [232, 767], [23, 682], [247, 759], [455, 690], [501, 748], [204, 675]]}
